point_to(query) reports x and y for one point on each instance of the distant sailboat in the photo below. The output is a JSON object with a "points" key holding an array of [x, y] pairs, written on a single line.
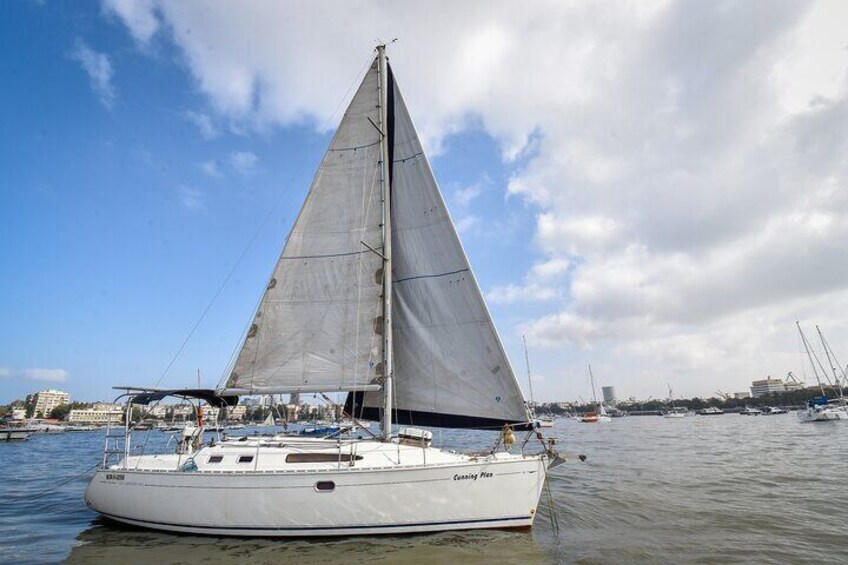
{"points": [[674, 412], [539, 422], [820, 409], [600, 414], [372, 296]]}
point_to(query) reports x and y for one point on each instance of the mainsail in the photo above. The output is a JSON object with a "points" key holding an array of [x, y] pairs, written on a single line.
{"points": [[319, 324], [450, 366], [314, 329]]}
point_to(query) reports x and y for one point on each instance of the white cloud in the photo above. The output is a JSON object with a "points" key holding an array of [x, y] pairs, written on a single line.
{"points": [[99, 70], [35, 374], [549, 269], [465, 195], [139, 16], [688, 161], [211, 169], [466, 224], [530, 292], [190, 197], [204, 124], [244, 162]]}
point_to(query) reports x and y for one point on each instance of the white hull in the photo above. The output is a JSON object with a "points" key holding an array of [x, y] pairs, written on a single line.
{"points": [[15, 434], [500, 491], [811, 415]]}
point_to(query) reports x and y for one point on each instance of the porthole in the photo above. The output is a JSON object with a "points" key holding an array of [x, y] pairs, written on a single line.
{"points": [[245, 458], [325, 486], [215, 458]]}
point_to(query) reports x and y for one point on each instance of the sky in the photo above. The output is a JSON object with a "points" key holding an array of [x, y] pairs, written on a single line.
{"points": [[655, 188]]}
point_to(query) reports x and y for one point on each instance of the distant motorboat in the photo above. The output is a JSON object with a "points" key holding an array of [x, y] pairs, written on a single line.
{"points": [[710, 411], [15, 434], [773, 410], [748, 411], [543, 423], [84, 428], [50, 428]]}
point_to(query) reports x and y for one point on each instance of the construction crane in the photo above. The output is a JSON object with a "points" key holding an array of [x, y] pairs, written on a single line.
{"points": [[790, 376]]}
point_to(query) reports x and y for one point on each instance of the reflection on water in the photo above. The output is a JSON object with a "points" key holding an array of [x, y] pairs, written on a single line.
{"points": [[109, 542], [721, 489]]}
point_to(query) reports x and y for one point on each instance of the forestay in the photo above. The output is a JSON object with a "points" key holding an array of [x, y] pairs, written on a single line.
{"points": [[316, 325], [450, 366]]}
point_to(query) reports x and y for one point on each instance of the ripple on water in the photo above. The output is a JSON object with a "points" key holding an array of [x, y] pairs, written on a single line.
{"points": [[722, 489]]}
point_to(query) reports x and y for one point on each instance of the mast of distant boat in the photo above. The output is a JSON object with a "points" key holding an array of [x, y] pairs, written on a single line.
{"points": [[810, 356], [529, 379], [388, 362], [831, 358], [592, 380]]}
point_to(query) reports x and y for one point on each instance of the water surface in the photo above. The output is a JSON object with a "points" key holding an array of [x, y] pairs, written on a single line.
{"points": [[703, 489]]}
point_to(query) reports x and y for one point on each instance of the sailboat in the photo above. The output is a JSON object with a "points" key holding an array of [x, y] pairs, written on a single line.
{"points": [[820, 408], [674, 412], [538, 421], [374, 297], [600, 414]]}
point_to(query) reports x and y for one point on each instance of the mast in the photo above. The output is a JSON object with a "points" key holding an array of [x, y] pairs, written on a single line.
{"points": [[388, 362], [810, 355], [592, 379], [529, 378]]}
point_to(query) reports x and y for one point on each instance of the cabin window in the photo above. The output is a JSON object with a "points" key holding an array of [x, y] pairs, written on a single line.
{"points": [[321, 458], [245, 458], [215, 458], [325, 486]]}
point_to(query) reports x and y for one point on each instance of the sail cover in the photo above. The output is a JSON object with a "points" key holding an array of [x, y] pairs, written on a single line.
{"points": [[316, 325], [450, 366]]}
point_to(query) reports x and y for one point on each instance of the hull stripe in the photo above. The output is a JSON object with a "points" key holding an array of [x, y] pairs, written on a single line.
{"points": [[319, 528]]}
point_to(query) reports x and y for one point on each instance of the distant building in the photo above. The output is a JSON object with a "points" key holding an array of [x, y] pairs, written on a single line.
{"points": [[236, 412], [609, 394], [18, 413], [770, 385], [210, 414], [292, 412], [46, 400], [109, 414]]}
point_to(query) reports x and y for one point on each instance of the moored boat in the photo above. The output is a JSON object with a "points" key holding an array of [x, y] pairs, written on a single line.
{"points": [[15, 434], [372, 296]]}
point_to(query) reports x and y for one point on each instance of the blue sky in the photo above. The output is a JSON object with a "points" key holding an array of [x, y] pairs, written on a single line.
{"points": [[115, 237], [657, 188]]}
